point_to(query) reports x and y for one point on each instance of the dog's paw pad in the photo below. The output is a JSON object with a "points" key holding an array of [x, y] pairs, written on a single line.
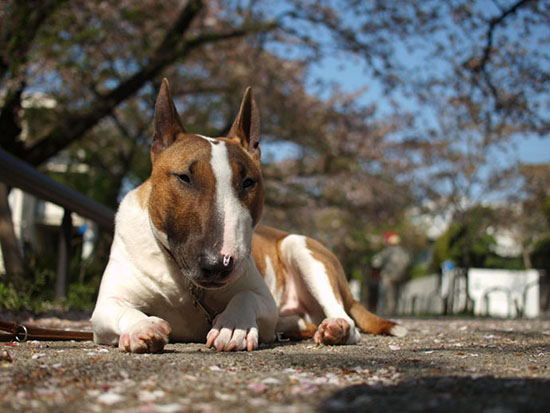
{"points": [[145, 336], [332, 331]]}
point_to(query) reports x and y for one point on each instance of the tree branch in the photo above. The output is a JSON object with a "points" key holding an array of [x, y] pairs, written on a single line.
{"points": [[9, 118], [493, 23], [170, 50], [25, 20], [74, 125], [15, 42]]}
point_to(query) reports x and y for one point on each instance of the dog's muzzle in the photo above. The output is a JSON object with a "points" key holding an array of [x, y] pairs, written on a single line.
{"points": [[215, 270]]}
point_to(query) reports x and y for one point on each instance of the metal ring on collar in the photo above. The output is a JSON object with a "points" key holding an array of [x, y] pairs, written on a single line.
{"points": [[21, 330]]}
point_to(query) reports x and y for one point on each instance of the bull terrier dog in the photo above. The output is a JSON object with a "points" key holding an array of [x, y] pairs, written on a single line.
{"points": [[189, 262]]}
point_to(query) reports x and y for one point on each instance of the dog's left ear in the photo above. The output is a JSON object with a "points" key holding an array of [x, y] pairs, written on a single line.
{"points": [[246, 127]]}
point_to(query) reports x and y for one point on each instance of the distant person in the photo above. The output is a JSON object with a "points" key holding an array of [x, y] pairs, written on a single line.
{"points": [[392, 262]]}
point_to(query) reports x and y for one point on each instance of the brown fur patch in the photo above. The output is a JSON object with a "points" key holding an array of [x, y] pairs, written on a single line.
{"points": [[266, 242], [143, 193], [243, 166], [173, 205]]}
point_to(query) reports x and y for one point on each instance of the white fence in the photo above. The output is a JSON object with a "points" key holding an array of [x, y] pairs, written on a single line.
{"points": [[504, 293], [490, 292], [421, 296]]}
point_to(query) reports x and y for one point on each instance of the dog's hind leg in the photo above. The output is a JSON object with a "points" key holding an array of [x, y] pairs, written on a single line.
{"points": [[317, 292], [324, 287]]}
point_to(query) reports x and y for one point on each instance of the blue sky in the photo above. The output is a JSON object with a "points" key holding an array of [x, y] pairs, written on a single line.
{"points": [[351, 75]]}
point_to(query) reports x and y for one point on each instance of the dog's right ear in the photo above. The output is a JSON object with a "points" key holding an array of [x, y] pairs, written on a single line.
{"points": [[167, 121]]}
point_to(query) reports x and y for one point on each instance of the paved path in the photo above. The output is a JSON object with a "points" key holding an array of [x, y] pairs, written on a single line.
{"points": [[451, 365]]}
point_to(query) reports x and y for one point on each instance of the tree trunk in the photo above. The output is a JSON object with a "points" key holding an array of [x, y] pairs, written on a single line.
{"points": [[525, 256], [13, 261]]}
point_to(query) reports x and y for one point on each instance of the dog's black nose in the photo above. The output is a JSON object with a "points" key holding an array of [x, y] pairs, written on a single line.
{"points": [[216, 266]]}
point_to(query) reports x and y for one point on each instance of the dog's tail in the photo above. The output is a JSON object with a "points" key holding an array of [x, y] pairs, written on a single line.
{"points": [[372, 324]]}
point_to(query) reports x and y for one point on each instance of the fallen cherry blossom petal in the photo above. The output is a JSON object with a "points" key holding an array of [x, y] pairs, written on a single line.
{"points": [[149, 396], [225, 396], [271, 380], [168, 408], [257, 387], [110, 398]]}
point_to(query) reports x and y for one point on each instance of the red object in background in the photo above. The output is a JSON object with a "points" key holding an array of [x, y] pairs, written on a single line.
{"points": [[388, 235]]}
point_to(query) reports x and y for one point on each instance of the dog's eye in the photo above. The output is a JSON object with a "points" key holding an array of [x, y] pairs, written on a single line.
{"points": [[248, 183], [184, 178]]}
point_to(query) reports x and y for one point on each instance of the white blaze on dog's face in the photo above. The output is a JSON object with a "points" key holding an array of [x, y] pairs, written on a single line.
{"points": [[207, 193]]}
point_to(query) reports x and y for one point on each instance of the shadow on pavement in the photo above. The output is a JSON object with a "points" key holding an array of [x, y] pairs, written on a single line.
{"points": [[445, 394]]}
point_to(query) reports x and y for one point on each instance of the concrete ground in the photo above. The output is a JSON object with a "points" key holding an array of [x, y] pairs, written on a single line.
{"points": [[442, 365]]}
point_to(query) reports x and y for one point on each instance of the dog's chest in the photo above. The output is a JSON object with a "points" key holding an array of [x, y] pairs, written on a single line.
{"points": [[146, 277], [188, 321]]}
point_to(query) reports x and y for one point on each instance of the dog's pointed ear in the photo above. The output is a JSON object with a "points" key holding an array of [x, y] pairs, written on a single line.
{"points": [[246, 127], [167, 121]]}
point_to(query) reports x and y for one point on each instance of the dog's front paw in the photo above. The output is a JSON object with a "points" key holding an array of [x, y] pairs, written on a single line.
{"points": [[226, 336], [145, 336], [332, 331]]}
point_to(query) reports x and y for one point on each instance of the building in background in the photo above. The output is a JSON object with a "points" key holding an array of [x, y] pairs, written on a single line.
{"points": [[37, 225]]}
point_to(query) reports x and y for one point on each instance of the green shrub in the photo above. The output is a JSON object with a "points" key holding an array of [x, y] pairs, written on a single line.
{"points": [[540, 257]]}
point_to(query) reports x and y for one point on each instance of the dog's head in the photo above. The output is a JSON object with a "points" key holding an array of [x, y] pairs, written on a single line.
{"points": [[207, 193]]}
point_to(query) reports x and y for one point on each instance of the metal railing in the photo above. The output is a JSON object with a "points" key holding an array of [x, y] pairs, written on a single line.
{"points": [[19, 174]]}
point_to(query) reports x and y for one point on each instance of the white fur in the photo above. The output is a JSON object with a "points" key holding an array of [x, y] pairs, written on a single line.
{"points": [[140, 280], [315, 281], [237, 221], [270, 279]]}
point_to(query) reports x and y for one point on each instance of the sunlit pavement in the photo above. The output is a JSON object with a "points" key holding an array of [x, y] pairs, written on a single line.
{"points": [[452, 364]]}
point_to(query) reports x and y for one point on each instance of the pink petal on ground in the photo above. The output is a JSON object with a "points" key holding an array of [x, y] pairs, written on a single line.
{"points": [[257, 387]]}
